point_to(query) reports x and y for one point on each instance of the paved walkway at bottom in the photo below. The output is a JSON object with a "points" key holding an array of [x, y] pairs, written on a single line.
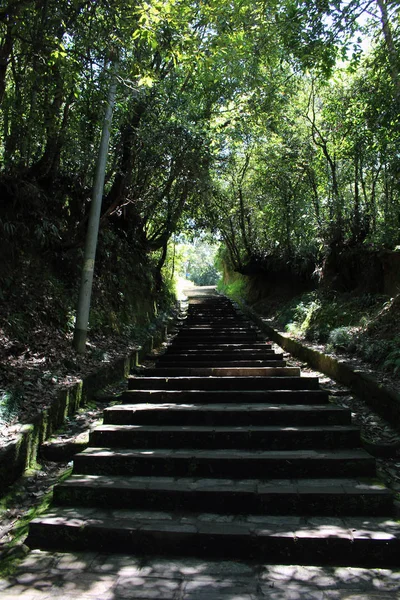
{"points": [[90, 576]]}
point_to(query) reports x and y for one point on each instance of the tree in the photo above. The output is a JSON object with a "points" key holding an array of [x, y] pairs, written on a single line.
{"points": [[85, 292], [229, 116]]}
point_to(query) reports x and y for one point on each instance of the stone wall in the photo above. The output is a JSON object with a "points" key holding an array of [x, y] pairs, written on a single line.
{"points": [[21, 453]]}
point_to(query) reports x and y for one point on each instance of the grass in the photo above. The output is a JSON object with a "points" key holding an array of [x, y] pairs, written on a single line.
{"points": [[14, 550], [236, 289], [9, 405]]}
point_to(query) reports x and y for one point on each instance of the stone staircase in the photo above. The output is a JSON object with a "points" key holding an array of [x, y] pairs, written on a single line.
{"points": [[221, 450]]}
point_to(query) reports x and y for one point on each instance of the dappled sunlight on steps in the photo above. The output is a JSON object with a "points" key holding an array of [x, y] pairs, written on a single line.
{"points": [[223, 450], [90, 575]]}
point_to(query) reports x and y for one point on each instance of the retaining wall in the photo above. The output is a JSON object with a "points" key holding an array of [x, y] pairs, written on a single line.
{"points": [[21, 453], [384, 401]]}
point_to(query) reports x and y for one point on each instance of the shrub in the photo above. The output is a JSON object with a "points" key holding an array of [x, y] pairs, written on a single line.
{"points": [[392, 361], [236, 290], [341, 338]]}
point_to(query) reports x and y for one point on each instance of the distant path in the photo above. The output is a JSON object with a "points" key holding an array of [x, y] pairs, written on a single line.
{"points": [[204, 290]]}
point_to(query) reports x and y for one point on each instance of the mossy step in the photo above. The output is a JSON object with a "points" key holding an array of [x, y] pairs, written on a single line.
{"points": [[221, 413], [222, 437], [352, 541], [225, 463], [249, 496]]}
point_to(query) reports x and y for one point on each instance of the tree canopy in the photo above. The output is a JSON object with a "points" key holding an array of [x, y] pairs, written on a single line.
{"points": [[265, 122]]}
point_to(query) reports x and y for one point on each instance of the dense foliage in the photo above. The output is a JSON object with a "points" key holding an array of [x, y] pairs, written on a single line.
{"points": [[310, 168], [230, 117]]}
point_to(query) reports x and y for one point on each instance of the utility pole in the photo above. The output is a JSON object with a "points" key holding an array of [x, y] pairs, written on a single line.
{"points": [[85, 292]]}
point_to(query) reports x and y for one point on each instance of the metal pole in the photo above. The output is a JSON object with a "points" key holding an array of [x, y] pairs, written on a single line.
{"points": [[85, 292]]}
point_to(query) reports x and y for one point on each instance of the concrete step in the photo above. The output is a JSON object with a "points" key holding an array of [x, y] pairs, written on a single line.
{"points": [[210, 346], [218, 326], [234, 464], [228, 383], [193, 397], [241, 460], [208, 301], [275, 371], [225, 310], [225, 338], [352, 541], [211, 356], [194, 310], [200, 331], [225, 414], [223, 437], [190, 362], [207, 318], [277, 397], [220, 335], [248, 496], [178, 353], [225, 321], [205, 305]]}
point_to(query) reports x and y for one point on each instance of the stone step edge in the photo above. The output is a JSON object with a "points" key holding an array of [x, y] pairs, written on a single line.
{"points": [[221, 406], [220, 363], [273, 388], [183, 346], [251, 496], [348, 485], [198, 392], [215, 353], [231, 454], [193, 378], [220, 437], [232, 463], [160, 409], [350, 541], [223, 429], [226, 371]]}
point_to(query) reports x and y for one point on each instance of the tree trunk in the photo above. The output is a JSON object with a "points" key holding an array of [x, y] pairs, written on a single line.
{"points": [[160, 264], [123, 177], [42, 168], [391, 48], [85, 293], [5, 53]]}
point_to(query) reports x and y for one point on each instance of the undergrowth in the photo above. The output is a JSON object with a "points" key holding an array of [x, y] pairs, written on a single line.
{"points": [[235, 289], [19, 499], [364, 325], [367, 325]]}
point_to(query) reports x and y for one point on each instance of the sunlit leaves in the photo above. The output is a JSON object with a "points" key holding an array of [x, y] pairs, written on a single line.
{"points": [[214, 118]]}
